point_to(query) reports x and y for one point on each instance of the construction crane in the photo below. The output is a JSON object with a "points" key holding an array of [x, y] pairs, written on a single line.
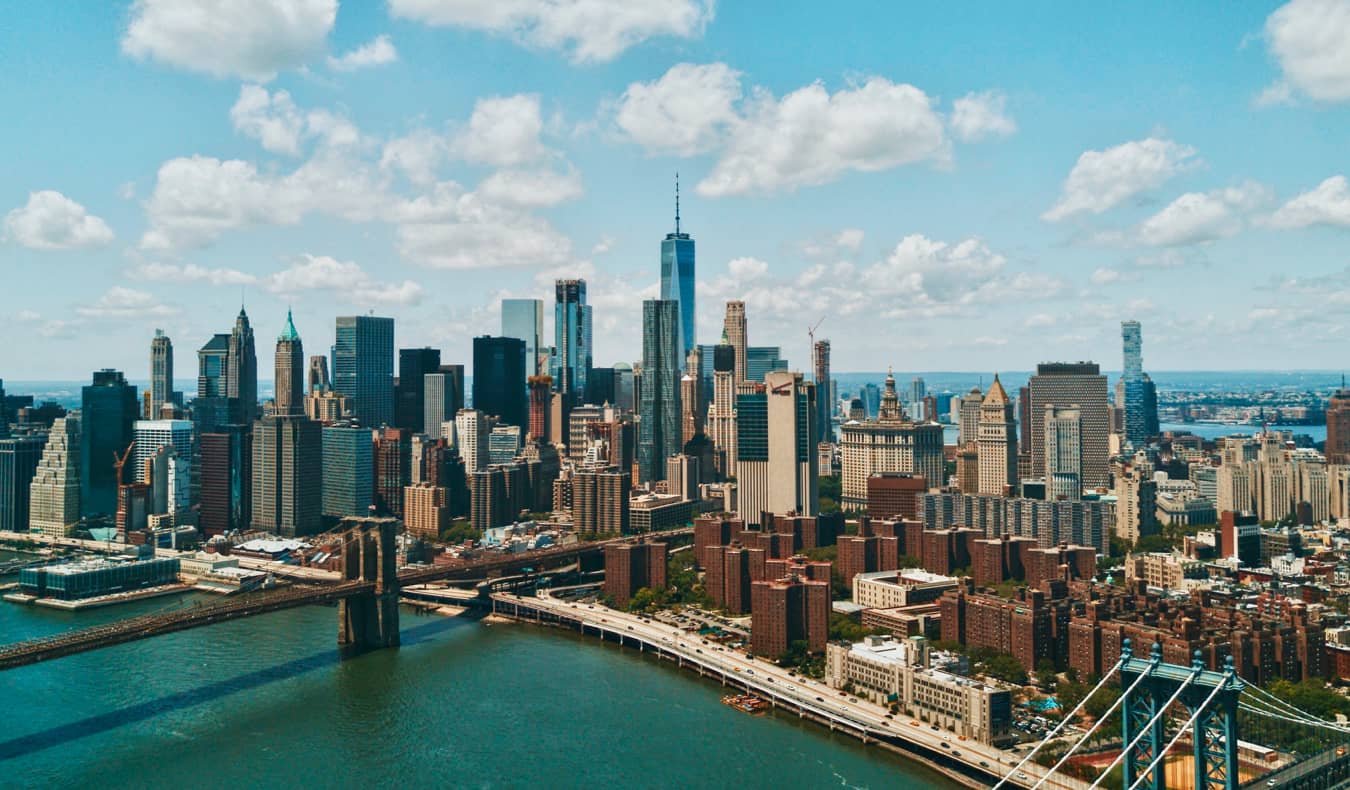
{"points": [[811, 333], [121, 461]]}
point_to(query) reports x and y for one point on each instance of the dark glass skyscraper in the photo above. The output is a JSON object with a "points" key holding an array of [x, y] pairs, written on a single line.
{"points": [[1141, 409], [677, 277], [210, 409], [226, 479], [571, 364], [659, 431], [109, 408], [363, 367], [499, 378], [19, 459], [413, 365], [524, 319]]}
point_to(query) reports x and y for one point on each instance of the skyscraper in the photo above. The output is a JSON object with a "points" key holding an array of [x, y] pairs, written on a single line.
{"points": [[721, 425], [150, 435], [659, 431], [363, 367], [760, 360], [777, 470], [1078, 384], [288, 450], [540, 402], [212, 404], [54, 491], [19, 458], [241, 372], [571, 364], [1338, 426], [677, 276], [442, 398], [318, 375], [161, 373], [499, 378], [1063, 452], [733, 327], [393, 469], [226, 479], [997, 443], [471, 429], [523, 319], [107, 412], [891, 443], [410, 394], [1141, 405], [348, 471], [820, 358]]}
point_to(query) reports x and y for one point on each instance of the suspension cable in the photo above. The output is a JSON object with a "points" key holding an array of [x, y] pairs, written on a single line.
{"points": [[1162, 755], [1062, 724], [1096, 724], [1162, 711]]}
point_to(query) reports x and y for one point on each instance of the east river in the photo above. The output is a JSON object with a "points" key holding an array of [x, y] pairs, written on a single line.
{"points": [[267, 703]]}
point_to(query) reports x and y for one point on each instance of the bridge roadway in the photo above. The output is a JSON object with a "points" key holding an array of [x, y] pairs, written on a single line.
{"points": [[155, 623], [792, 692]]}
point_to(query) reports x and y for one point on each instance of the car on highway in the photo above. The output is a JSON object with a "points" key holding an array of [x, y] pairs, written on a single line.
{"points": [[818, 699], [945, 745]]}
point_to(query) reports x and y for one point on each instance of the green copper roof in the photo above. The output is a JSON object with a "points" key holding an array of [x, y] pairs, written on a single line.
{"points": [[289, 333]]}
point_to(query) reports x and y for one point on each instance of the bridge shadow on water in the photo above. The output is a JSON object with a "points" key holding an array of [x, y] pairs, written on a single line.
{"points": [[130, 714]]}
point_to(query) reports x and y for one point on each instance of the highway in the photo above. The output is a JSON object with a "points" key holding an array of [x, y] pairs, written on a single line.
{"points": [[773, 682]]}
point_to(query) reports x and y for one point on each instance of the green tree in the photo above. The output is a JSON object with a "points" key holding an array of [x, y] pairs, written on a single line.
{"points": [[1004, 667], [1045, 671]]}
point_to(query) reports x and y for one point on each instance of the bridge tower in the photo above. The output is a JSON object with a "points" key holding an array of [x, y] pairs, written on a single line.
{"points": [[1214, 729], [370, 621]]}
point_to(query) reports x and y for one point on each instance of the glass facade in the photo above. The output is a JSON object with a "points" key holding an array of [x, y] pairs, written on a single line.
{"points": [[363, 367], [677, 283], [523, 319], [499, 378], [570, 364], [659, 430], [348, 471], [96, 577], [109, 407]]}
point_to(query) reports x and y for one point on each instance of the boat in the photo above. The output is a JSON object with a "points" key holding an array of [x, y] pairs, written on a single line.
{"points": [[746, 703]]}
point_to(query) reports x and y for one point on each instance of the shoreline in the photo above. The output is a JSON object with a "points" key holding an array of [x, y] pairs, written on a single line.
{"points": [[950, 774], [100, 601]]}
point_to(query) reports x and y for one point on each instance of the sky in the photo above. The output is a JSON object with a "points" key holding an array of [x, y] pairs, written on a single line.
{"points": [[946, 186]]}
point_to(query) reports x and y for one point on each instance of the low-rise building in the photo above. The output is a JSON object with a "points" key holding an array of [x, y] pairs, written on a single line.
{"points": [[890, 589]]}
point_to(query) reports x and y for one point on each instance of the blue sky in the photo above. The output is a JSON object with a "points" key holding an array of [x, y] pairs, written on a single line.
{"points": [[957, 187]]}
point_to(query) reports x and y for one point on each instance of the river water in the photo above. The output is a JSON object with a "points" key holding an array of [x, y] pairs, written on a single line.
{"points": [[266, 702]]}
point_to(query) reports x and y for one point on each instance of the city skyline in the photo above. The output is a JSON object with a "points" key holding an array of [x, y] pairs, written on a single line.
{"points": [[997, 210]]}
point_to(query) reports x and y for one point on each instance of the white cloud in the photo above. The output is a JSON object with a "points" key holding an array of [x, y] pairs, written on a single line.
{"points": [[1197, 217], [1308, 40], [274, 121], [849, 238], [1327, 204], [379, 51], [531, 188], [1105, 276], [452, 228], [588, 30], [1039, 320], [52, 221], [120, 302], [503, 131], [249, 39], [1101, 180], [1276, 94], [746, 269], [924, 276], [417, 155], [604, 245], [976, 116], [685, 112], [189, 273], [811, 137], [345, 279]]}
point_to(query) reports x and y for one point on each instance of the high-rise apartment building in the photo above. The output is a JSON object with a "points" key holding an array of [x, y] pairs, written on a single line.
{"points": [[241, 372], [1063, 452], [734, 329], [363, 367], [393, 469], [108, 410], [523, 319], [968, 416], [19, 458], [226, 480], [288, 451], [820, 359], [571, 363], [1338, 426], [659, 408], [427, 510], [600, 502], [489, 506], [777, 465], [891, 443], [161, 373], [414, 364], [721, 423], [677, 278], [540, 405], [471, 432], [784, 611], [1140, 396], [997, 443], [54, 491], [442, 398], [1078, 384], [499, 378], [629, 567], [348, 471]]}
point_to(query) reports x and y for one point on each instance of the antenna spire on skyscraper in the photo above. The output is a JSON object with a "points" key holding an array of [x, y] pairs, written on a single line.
{"points": [[677, 203]]}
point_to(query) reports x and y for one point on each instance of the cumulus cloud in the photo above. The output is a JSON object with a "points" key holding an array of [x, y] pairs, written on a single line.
{"points": [[849, 238], [587, 30], [746, 269], [685, 112], [531, 188], [1308, 40], [344, 279], [274, 121], [377, 52], [811, 137], [453, 228], [52, 221], [1326, 204], [1101, 180], [417, 155], [976, 116], [1198, 217], [249, 39], [120, 302], [503, 132], [189, 273]]}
